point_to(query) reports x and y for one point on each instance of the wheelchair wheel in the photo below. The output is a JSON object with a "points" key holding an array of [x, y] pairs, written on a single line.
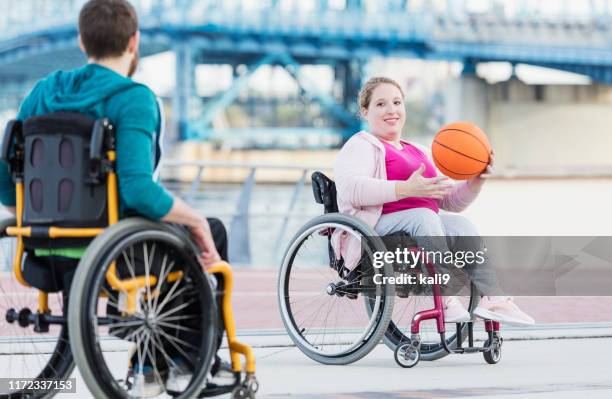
{"points": [[321, 301], [172, 326], [27, 350], [431, 348], [493, 355]]}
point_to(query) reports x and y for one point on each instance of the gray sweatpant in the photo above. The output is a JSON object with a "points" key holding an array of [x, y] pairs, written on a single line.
{"points": [[437, 232]]}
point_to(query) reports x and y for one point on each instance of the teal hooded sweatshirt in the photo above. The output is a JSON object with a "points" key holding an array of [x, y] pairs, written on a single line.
{"points": [[132, 108]]}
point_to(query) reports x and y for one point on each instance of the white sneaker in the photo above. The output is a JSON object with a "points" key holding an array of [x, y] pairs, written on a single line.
{"points": [[224, 376], [454, 312], [502, 309], [146, 384], [178, 379]]}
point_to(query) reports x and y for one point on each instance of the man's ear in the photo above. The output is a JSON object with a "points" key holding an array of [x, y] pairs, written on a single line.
{"points": [[364, 112], [81, 45], [134, 42]]}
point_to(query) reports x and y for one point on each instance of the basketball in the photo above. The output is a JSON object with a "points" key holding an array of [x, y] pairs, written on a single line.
{"points": [[461, 150]]}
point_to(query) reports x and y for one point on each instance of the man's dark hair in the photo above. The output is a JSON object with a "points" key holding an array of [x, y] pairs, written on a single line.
{"points": [[106, 26]]}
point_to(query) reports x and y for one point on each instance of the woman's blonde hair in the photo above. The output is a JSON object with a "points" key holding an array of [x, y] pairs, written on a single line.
{"points": [[365, 95]]}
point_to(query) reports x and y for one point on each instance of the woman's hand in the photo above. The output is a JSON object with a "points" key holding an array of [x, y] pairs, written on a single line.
{"points": [[419, 186], [476, 183]]}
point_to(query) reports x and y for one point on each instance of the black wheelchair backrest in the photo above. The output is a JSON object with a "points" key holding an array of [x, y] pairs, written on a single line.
{"points": [[324, 190], [62, 168]]}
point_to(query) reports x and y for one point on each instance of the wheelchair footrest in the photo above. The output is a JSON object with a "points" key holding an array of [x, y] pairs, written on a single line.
{"points": [[215, 390], [469, 349], [209, 391]]}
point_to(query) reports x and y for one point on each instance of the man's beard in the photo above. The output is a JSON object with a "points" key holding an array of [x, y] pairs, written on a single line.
{"points": [[133, 65]]}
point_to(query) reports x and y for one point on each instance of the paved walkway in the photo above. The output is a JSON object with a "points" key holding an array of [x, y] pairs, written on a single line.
{"points": [[567, 368], [256, 305], [538, 369]]}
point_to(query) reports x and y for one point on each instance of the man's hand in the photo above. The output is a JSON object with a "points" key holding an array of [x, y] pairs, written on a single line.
{"points": [[203, 238], [182, 213]]}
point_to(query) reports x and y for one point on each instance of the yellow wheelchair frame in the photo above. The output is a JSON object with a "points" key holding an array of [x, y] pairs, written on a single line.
{"points": [[130, 286]]}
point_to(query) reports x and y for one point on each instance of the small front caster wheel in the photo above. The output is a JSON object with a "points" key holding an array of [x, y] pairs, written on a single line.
{"points": [[493, 355], [407, 355], [247, 389], [242, 392]]}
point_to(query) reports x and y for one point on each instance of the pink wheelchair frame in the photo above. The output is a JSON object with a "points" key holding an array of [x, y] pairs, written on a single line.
{"points": [[407, 354]]}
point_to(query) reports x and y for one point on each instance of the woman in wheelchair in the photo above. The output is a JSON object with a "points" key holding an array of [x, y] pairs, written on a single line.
{"points": [[393, 186]]}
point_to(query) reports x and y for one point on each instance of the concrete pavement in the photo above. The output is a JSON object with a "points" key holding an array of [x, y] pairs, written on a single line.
{"points": [[561, 361], [528, 369]]}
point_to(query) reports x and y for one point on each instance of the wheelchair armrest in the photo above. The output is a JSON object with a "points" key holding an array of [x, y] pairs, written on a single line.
{"points": [[14, 127], [101, 140], [318, 186], [324, 191], [100, 129]]}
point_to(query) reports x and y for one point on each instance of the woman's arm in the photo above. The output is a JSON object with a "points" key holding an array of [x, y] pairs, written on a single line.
{"points": [[464, 193], [354, 172], [459, 198]]}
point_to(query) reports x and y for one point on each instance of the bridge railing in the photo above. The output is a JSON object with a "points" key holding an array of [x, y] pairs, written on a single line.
{"points": [[279, 209], [299, 17], [26, 16]]}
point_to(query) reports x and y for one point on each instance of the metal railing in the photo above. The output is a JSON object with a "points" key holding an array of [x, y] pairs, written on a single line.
{"points": [[239, 237]]}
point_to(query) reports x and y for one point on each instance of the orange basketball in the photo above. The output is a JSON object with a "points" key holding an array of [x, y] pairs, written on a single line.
{"points": [[461, 150]]}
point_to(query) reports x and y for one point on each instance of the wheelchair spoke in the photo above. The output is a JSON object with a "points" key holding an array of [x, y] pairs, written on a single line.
{"points": [[172, 340], [167, 298], [331, 304], [176, 327], [181, 317], [121, 330], [152, 357], [177, 340], [135, 332], [126, 324], [308, 304], [310, 317], [112, 300], [158, 343], [174, 310], [139, 355], [184, 291], [163, 275], [115, 317], [147, 263], [399, 320], [130, 265]]}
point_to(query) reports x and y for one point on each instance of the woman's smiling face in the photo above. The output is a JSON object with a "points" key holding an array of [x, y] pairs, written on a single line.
{"points": [[386, 114]]}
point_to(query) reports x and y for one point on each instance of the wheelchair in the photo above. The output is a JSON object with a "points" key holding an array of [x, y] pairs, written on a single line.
{"points": [[336, 315], [137, 298]]}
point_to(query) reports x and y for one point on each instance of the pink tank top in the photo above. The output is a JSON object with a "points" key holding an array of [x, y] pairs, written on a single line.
{"points": [[400, 165]]}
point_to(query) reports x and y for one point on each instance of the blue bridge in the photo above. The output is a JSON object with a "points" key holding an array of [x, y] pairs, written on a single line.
{"points": [[39, 36]]}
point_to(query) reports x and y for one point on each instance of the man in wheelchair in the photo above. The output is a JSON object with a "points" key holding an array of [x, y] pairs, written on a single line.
{"points": [[109, 37]]}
